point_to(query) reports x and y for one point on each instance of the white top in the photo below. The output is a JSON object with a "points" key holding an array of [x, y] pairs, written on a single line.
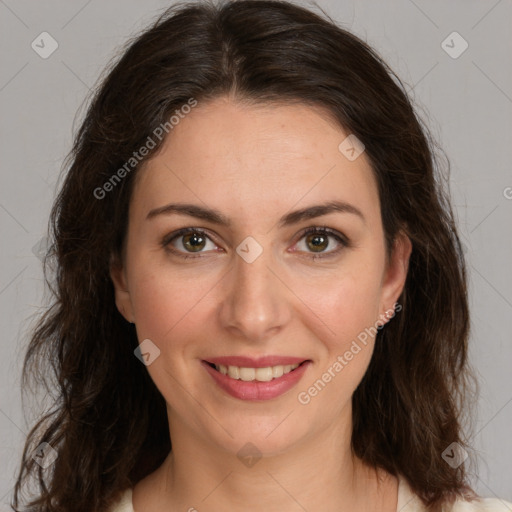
{"points": [[407, 502]]}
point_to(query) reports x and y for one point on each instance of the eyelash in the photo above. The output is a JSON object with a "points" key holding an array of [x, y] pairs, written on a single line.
{"points": [[323, 230]]}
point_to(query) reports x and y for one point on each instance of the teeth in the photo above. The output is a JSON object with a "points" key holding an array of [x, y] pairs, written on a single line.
{"points": [[247, 374], [264, 374], [232, 371], [260, 374], [277, 371]]}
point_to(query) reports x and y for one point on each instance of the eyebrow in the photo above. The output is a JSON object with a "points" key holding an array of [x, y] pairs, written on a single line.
{"points": [[216, 217]]}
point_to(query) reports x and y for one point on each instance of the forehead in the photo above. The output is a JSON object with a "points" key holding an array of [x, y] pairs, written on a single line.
{"points": [[251, 159]]}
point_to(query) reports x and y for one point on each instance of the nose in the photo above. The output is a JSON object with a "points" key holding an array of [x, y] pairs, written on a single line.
{"points": [[257, 303]]}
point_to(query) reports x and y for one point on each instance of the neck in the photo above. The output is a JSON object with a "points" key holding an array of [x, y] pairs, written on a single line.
{"points": [[320, 473]]}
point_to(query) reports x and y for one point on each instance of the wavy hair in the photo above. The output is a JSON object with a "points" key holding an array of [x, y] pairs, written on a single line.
{"points": [[108, 421]]}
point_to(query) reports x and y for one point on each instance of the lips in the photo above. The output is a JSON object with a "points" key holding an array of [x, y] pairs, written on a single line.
{"points": [[250, 362], [255, 390]]}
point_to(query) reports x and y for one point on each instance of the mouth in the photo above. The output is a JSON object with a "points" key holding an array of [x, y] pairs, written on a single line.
{"points": [[260, 374], [264, 380]]}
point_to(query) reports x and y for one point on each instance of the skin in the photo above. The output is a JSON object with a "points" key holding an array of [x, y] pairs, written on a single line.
{"points": [[255, 164]]}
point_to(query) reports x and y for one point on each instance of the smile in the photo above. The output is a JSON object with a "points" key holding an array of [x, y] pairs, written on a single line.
{"points": [[263, 381], [260, 374]]}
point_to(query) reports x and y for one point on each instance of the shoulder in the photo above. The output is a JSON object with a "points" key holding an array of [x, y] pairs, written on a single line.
{"points": [[125, 503], [481, 505], [407, 502], [410, 502]]}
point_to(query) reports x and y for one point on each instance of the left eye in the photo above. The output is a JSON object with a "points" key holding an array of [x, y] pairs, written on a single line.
{"points": [[317, 240]]}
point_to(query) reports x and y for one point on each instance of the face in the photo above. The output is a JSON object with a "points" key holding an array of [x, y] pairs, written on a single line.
{"points": [[247, 280]]}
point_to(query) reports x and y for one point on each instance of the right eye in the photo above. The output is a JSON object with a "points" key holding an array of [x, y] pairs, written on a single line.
{"points": [[187, 240]]}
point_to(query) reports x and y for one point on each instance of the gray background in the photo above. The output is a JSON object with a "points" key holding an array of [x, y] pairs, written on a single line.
{"points": [[467, 102]]}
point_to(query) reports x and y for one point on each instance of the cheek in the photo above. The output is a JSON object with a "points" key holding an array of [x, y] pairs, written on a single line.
{"points": [[171, 306], [161, 303], [348, 310], [346, 302], [171, 312]]}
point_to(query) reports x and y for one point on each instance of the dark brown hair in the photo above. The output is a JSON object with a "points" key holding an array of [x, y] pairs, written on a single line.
{"points": [[108, 423]]}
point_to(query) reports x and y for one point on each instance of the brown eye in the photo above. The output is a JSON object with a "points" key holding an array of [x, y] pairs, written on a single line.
{"points": [[322, 242], [317, 242], [194, 241], [188, 241]]}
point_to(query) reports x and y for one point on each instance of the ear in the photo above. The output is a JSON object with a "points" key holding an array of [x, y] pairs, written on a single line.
{"points": [[395, 276], [122, 295]]}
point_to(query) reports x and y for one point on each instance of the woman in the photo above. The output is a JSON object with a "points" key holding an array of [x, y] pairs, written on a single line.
{"points": [[256, 263]]}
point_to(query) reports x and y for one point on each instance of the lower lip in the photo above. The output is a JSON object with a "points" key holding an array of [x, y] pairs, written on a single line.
{"points": [[255, 390]]}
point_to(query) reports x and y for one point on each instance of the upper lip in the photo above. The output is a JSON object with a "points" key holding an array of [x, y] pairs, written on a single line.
{"points": [[259, 362]]}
